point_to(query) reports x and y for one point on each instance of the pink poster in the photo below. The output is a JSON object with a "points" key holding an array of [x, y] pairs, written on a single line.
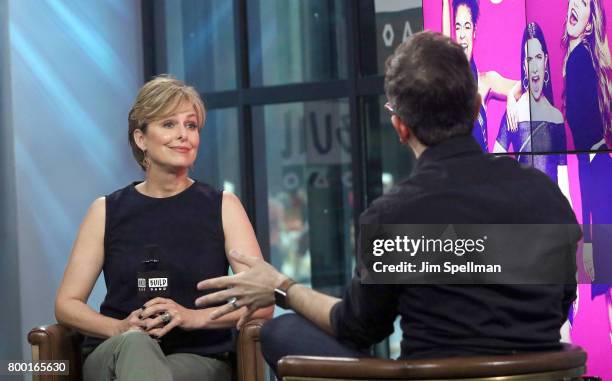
{"points": [[544, 72]]}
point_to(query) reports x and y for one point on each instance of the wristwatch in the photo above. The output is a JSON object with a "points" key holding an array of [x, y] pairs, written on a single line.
{"points": [[280, 293]]}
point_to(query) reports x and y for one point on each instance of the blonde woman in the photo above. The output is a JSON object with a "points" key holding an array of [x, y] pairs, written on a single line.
{"points": [[193, 227], [588, 107], [587, 71]]}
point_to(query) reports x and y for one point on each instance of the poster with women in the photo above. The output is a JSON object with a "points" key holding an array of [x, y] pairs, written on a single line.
{"points": [[476, 26], [582, 70], [544, 73]]}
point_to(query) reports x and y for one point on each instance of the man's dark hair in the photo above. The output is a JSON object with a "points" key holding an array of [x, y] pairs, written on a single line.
{"points": [[472, 5], [429, 82]]}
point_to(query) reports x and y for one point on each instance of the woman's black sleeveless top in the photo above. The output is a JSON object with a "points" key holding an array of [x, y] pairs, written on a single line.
{"points": [[188, 229]]}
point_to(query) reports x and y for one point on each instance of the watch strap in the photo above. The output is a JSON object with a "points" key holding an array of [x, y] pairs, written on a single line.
{"points": [[286, 285], [280, 293]]}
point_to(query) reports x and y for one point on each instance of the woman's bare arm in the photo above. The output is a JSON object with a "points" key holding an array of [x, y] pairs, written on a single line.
{"points": [[500, 86], [83, 269], [239, 236], [446, 18]]}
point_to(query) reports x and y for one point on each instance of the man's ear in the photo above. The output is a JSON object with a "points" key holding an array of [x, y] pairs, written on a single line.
{"points": [[139, 139], [403, 132]]}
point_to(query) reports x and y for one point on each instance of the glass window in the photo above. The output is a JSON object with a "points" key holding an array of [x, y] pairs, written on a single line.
{"points": [[218, 162], [384, 25], [386, 166], [395, 340], [296, 41], [195, 42], [309, 190]]}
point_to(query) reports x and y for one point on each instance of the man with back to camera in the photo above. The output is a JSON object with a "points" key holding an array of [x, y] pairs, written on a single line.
{"points": [[433, 100]]}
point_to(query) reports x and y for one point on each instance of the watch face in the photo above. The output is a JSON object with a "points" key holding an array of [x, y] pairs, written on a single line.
{"points": [[280, 297]]}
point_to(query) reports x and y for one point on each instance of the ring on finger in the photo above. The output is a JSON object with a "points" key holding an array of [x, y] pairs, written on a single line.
{"points": [[233, 301], [166, 317]]}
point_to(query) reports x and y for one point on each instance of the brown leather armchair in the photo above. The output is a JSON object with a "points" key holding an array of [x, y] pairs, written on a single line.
{"points": [[567, 364], [56, 342]]}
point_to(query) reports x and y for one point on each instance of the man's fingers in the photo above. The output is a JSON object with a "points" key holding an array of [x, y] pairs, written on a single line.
{"points": [[222, 311], [217, 297], [248, 260], [219, 282]]}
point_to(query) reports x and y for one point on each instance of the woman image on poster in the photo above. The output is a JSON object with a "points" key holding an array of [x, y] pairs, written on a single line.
{"points": [[466, 14], [587, 71], [588, 108], [541, 127], [601, 216]]}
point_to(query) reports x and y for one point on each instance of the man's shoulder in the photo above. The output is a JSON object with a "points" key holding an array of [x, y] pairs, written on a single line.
{"points": [[484, 190], [399, 202]]}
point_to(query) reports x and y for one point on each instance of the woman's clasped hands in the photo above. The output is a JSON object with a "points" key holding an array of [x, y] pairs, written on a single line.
{"points": [[159, 316]]}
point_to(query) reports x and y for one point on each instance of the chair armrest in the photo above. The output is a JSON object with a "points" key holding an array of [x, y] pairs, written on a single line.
{"points": [[250, 364], [569, 358], [53, 343]]}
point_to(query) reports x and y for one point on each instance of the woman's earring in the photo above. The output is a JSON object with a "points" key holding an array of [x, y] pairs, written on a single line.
{"points": [[525, 85], [145, 160], [546, 80]]}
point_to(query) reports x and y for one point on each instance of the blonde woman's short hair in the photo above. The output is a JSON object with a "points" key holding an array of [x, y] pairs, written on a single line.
{"points": [[158, 99]]}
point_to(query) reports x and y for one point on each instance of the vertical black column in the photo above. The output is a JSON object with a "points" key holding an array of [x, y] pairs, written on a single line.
{"points": [[357, 133], [252, 143], [149, 39]]}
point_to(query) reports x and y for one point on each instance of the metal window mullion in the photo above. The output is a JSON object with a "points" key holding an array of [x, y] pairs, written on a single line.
{"points": [[254, 197], [357, 157], [147, 9]]}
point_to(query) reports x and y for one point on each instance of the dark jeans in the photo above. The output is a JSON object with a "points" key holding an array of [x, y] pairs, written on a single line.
{"points": [[291, 334]]}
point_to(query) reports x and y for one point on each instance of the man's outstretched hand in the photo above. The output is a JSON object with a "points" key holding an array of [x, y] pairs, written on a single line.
{"points": [[253, 288]]}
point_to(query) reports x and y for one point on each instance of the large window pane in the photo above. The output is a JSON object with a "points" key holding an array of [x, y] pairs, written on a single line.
{"points": [[296, 41], [384, 25], [195, 42], [309, 190], [218, 162], [388, 161]]}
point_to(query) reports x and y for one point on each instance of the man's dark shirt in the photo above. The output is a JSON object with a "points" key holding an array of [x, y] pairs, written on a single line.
{"points": [[456, 183]]}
